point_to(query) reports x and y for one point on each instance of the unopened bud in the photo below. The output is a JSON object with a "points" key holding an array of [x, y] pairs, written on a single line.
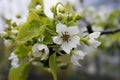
{"points": [[52, 9], [14, 24], [63, 65], [69, 17], [78, 16], [62, 10], [60, 16], [18, 16]]}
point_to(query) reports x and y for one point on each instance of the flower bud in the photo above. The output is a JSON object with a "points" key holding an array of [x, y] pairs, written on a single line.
{"points": [[69, 16], [40, 51], [60, 16], [62, 10], [52, 9], [78, 16], [18, 16], [63, 65]]}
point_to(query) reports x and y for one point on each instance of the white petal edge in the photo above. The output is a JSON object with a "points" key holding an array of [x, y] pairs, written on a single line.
{"points": [[73, 30], [60, 28], [94, 35], [78, 55], [57, 40], [74, 41], [94, 43], [66, 47], [42, 46]]}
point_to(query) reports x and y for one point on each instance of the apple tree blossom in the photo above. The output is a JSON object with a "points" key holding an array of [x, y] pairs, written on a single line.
{"points": [[44, 37]]}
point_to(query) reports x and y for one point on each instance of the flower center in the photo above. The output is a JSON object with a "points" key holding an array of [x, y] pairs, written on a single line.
{"points": [[42, 51], [65, 36]]}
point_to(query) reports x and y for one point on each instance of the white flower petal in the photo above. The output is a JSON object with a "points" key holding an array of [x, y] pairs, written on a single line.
{"points": [[57, 40], [12, 56], [66, 47], [73, 30], [74, 61], [74, 41], [43, 47], [94, 35], [78, 55], [94, 43], [15, 60], [61, 28], [35, 50], [40, 50], [67, 37]]}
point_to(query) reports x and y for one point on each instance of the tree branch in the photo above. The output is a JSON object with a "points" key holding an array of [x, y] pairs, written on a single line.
{"points": [[106, 32], [88, 26], [110, 31]]}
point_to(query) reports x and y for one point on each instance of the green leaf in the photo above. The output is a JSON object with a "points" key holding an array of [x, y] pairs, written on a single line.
{"points": [[51, 31], [20, 73], [52, 64], [28, 31], [22, 51], [33, 16], [47, 39], [69, 8]]}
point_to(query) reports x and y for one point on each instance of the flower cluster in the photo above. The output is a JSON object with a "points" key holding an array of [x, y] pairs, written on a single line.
{"points": [[43, 39], [63, 39]]}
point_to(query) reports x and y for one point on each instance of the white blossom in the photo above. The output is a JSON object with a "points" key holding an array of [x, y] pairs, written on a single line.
{"points": [[67, 37], [78, 55], [92, 39], [15, 60], [40, 50]]}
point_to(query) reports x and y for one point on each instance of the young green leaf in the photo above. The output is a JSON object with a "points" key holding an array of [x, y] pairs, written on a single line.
{"points": [[28, 31], [69, 8], [20, 73], [32, 16], [22, 51], [52, 64]]}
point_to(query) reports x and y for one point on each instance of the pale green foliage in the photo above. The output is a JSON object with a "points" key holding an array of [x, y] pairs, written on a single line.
{"points": [[52, 64], [22, 51], [19, 73]]}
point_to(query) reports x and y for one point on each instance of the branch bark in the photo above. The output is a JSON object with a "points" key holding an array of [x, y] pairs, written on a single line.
{"points": [[105, 32], [110, 31]]}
